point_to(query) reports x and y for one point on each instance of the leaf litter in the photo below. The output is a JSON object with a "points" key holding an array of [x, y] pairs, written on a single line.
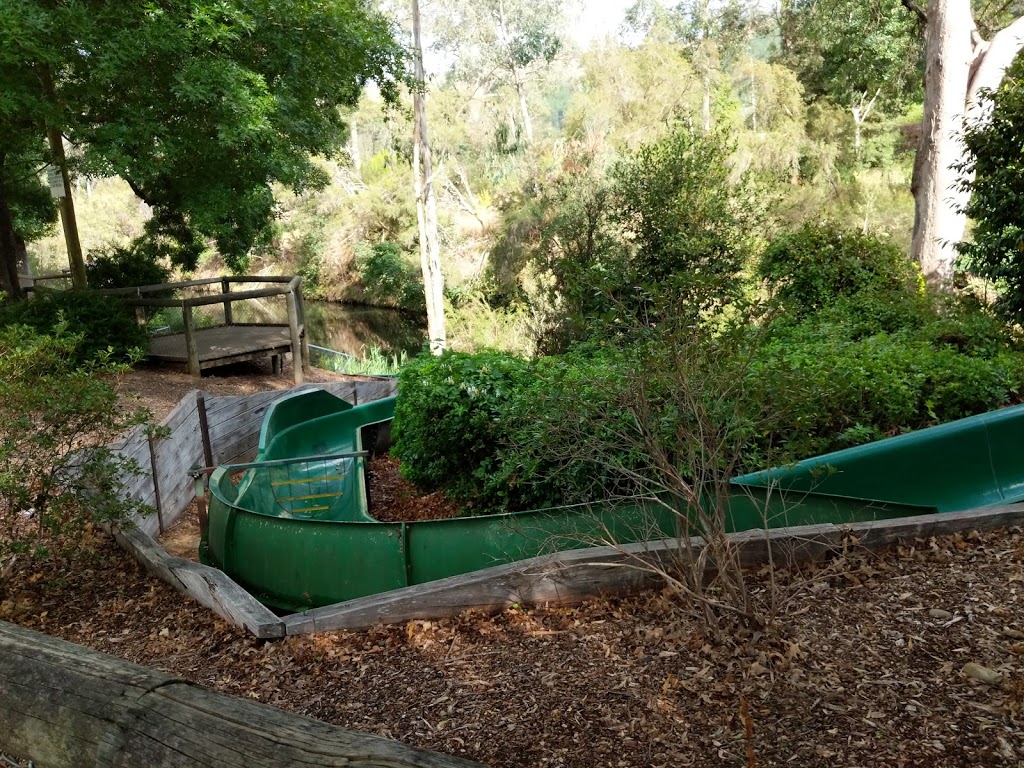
{"points": [[863, 668]]}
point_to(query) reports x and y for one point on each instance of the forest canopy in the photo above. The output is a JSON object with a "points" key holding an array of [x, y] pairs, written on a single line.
{"points": [[199, 106]]}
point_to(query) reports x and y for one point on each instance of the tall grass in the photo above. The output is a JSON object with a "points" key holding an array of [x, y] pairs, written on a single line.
{"points": [[372, 362]]}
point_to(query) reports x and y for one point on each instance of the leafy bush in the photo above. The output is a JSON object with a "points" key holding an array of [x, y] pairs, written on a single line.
{"points": [[310, 249], [387, 278], [451, 420], [125, 268], [995, 178], [57, 478], [100, 323], [667, 225], [861, 370], [810, 268]]}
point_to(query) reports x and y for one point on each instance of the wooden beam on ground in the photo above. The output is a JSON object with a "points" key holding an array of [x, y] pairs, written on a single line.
{"points": [[570, 577], [64, 706], [203, 584]]}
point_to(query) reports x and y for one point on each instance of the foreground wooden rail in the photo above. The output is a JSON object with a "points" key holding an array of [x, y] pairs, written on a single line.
{"points": [[64, 706]]}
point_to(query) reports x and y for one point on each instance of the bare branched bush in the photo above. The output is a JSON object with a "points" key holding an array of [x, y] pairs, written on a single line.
{"points": [[666, 425]]}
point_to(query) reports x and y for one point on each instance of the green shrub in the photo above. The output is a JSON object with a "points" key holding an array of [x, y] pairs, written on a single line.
{"points": [[451, 419], [57, 478], [387, 278], [311, 261], [125, 268], [843, 383], [100, 323], [995, 178], [810, 268]]}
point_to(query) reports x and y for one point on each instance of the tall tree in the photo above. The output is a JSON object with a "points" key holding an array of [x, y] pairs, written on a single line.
{"points": [[862, 56], [960, 64], [426, 202], [198, 104], [501, 41]]}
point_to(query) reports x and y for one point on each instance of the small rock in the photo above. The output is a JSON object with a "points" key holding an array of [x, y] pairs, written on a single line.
{"points": [[938, 613], [980, 673]]}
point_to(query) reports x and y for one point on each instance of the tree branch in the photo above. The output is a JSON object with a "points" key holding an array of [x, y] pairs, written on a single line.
{"points": [[917, 10]]}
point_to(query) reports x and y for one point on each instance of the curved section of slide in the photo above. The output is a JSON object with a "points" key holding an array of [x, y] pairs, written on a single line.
{"points": [[295, 527]]}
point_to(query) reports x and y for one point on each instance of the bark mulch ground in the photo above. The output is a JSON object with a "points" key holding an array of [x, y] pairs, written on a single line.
{"points": [[869, 665], [912, 657]]}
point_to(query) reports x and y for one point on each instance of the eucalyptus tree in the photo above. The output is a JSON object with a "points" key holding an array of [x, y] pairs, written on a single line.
{"points": [[961, 65], [198, 104], [496, 42]]}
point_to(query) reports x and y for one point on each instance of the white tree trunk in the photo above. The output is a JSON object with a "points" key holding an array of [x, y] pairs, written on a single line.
{"points": [[524, 107], [959, 64], [426, 204]]}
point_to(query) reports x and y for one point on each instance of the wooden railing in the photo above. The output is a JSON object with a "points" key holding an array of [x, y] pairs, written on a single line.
{"points": [[289, 286]]}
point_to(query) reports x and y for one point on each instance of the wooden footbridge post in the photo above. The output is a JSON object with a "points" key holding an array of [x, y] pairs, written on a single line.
{"points": [[64, 706]]}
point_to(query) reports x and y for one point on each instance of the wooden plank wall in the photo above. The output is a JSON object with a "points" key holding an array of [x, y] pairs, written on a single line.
{"points": [[174, 456], [235, 421]]}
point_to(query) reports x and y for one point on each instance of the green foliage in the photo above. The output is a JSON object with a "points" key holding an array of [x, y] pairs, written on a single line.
{"points": [[125, 268], [451, 418], [683, 215], [848, 51], [311, 262], [668, 226], [57, 478], [374, 362], [810, 268], [102, 324], [262, 82], [996, 251], [876, 365], [387, 277]]}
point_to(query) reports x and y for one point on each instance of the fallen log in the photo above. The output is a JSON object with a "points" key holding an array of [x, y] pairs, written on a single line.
{"points": [[62, 705]]}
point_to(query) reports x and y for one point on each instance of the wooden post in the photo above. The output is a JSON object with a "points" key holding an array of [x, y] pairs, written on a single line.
{"points": [[191, 349], [156, 483], [204, 428], [293, 328], [225, 286], [301, 303], [64, 706]]}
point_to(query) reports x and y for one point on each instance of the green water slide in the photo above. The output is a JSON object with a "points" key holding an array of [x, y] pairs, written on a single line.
{"points": [[296, 526], [966, 464]]}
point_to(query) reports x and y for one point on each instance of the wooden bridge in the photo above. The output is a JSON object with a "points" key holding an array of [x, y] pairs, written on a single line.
{"points": [[202, 348]]}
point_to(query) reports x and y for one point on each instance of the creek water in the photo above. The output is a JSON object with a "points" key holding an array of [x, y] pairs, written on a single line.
{"points": [[344, 328]]}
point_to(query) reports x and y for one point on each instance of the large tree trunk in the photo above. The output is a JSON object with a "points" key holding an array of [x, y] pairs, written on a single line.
{"points": [[64, 706], [959, 64], [9, 249], [426, 204]]}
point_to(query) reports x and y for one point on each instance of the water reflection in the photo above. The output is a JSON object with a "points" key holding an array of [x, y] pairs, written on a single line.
{"points": [[353, 330]]}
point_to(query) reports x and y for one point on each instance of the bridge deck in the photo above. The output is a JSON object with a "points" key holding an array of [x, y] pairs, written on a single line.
{"points": [[223, 344]]}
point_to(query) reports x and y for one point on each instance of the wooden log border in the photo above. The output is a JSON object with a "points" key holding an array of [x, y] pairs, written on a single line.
{"points": [[566, 578], [65, 706], [561, 578]]}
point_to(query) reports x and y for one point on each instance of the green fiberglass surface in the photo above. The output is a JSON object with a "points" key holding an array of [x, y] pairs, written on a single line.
{"points": [[970, 463], [297, 530]]}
